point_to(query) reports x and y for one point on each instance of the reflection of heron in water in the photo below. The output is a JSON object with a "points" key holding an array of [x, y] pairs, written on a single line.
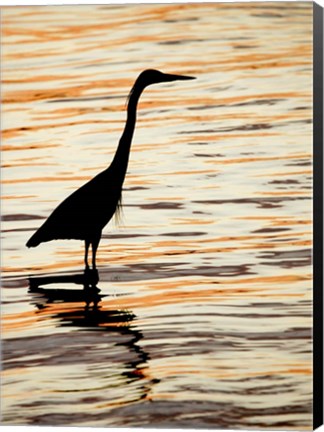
{"points": [[86, 212], [89, 294], [110, 321]]}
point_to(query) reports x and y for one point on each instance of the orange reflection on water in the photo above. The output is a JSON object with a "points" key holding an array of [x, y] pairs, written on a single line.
{"points": [[45, 179], [221, 308], [260, 159]]}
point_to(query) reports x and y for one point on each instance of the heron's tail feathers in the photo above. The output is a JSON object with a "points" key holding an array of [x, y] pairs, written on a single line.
{"points": [[34, 240]]}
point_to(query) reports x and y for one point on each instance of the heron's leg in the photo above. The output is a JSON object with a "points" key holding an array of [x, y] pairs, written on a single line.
{"points": [[87, 244], [95, 244]]}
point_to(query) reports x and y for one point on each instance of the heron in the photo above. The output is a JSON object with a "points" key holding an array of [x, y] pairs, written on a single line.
{"points": [[84, 213]]}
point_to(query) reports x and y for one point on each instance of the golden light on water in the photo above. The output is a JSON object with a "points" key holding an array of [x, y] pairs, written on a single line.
{"points": [[205, 287]]}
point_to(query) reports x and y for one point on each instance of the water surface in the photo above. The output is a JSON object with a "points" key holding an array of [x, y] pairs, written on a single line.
{"points": [[202, 314]]}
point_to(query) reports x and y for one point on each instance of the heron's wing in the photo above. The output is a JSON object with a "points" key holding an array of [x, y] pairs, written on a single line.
{"points": [[85, 211]]}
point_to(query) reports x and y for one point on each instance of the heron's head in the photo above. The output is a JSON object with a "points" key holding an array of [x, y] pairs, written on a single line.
{"points": [[152, 76]]}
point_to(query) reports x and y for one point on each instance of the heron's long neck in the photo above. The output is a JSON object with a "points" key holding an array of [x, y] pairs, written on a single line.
{"points": [[120, 160]]}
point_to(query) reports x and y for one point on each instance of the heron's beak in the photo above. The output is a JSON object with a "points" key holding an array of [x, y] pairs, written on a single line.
{"points": [[171, 77]]}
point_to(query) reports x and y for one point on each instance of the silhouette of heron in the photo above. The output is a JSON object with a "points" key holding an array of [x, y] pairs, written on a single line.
{"points": [[84, 213]]}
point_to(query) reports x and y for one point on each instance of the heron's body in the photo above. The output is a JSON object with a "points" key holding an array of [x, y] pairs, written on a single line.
{"points": [[84, 213]]}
